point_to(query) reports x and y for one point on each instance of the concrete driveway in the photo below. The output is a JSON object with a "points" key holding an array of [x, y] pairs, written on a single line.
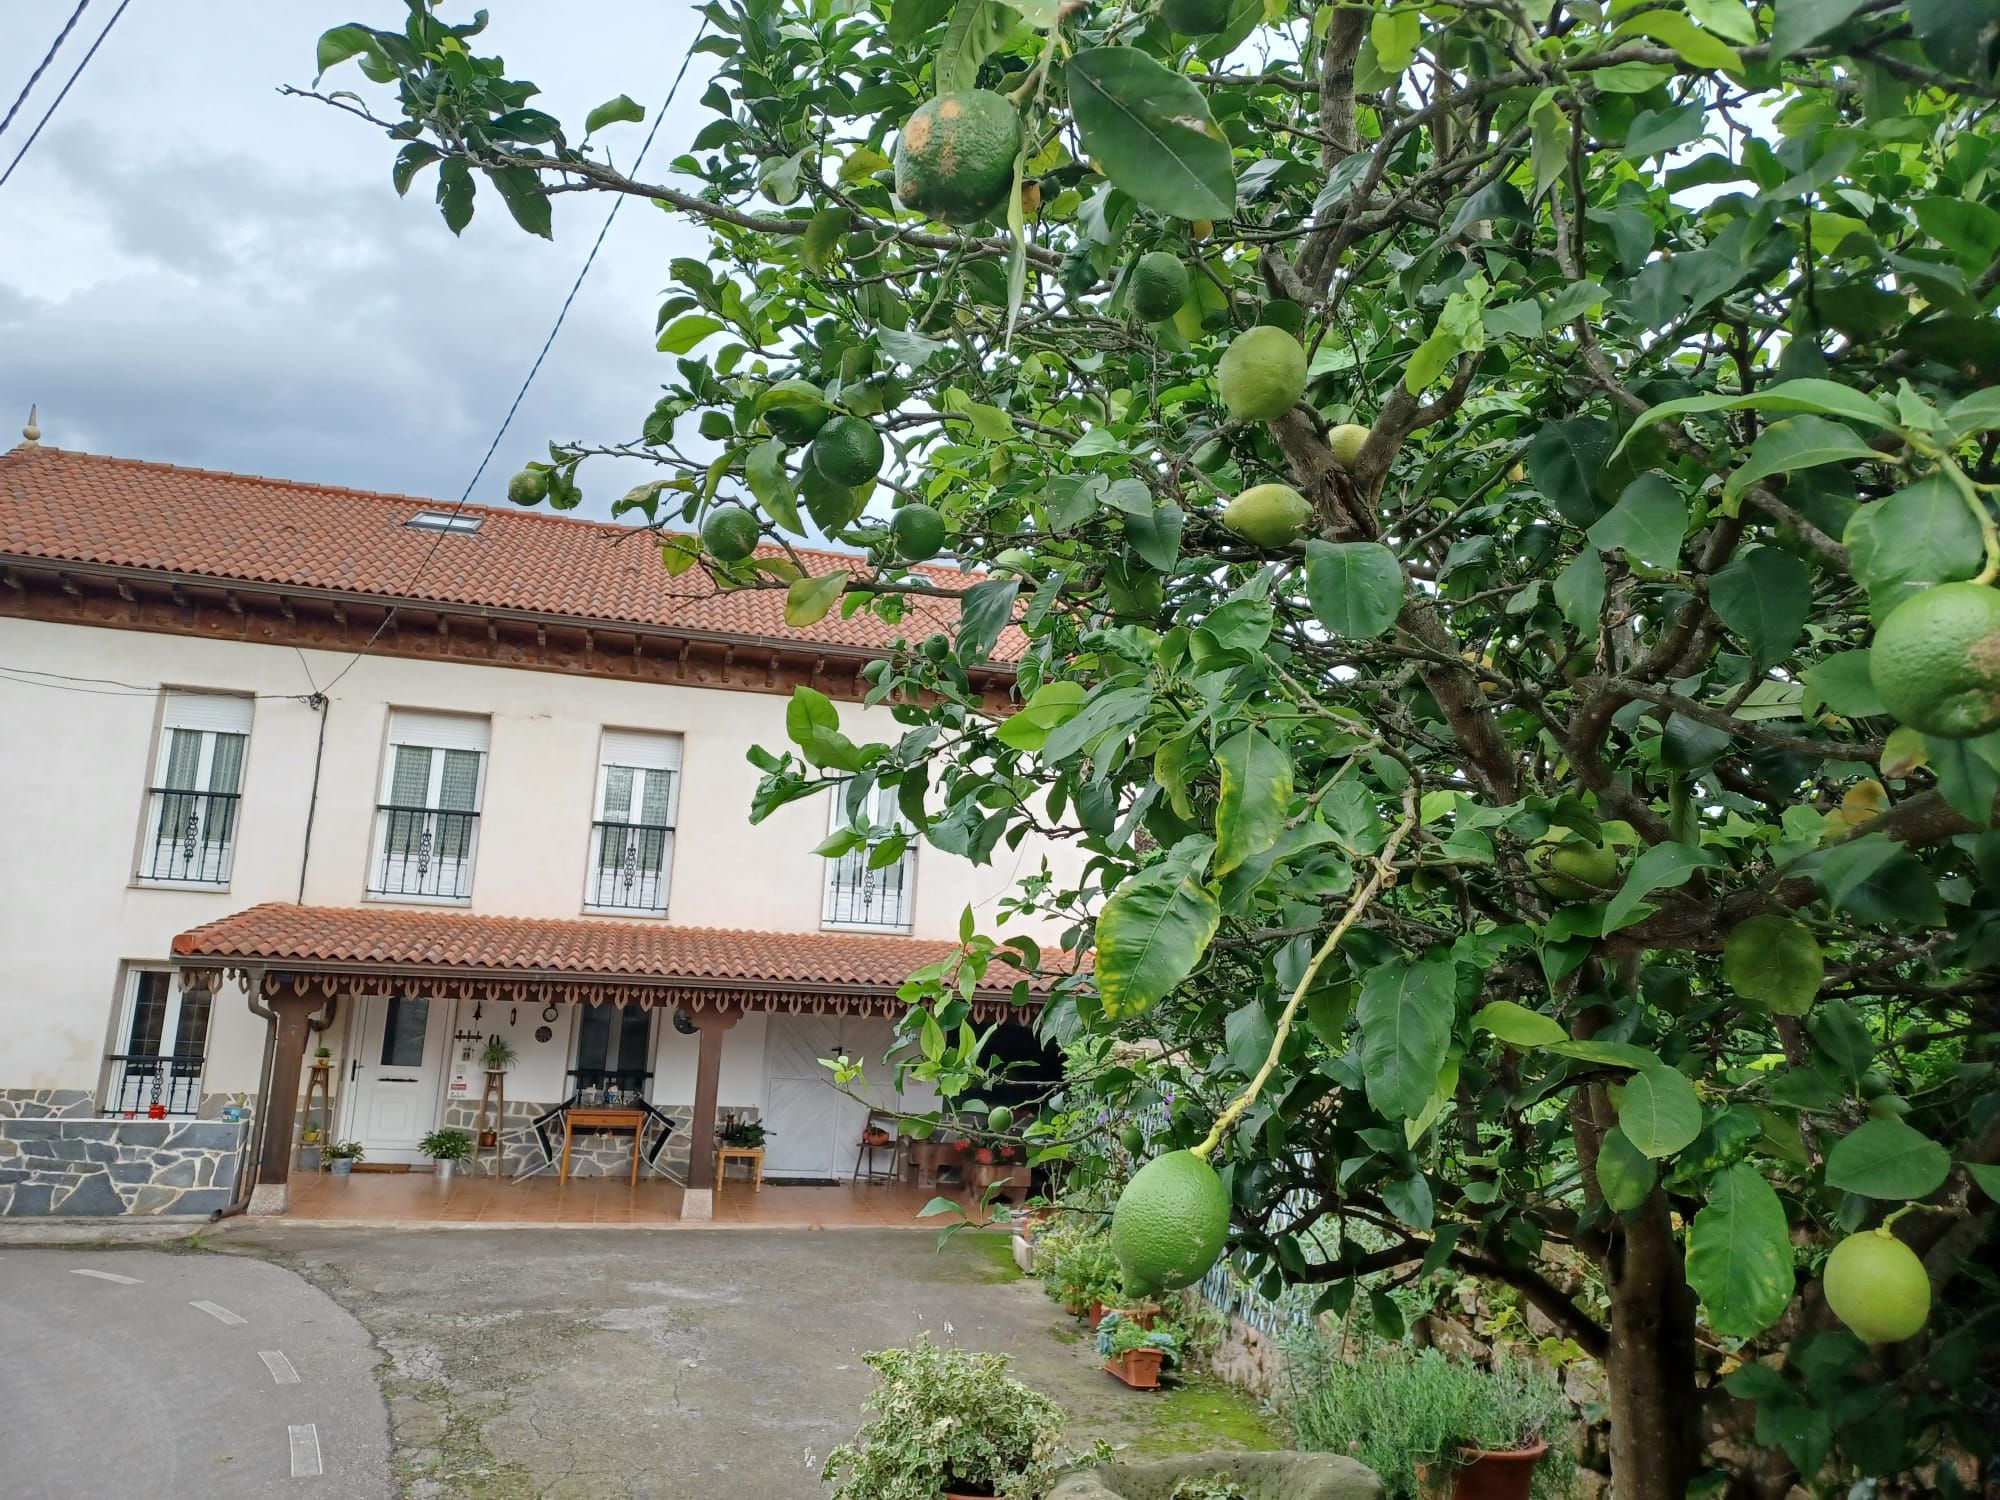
{"points": [[138, 1372], [690, 1365]]}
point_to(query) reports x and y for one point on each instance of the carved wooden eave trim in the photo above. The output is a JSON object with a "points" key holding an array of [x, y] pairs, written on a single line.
{"points": [[327, 981], [165, 603]]}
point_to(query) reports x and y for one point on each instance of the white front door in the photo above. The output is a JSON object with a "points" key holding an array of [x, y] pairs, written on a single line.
{"points": [[395, 1074], [814, 1127]]}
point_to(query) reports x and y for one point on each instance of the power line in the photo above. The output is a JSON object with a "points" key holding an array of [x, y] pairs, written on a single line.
{"points": [[43, 66], [57, 103], [534, 369], [111, 687]]}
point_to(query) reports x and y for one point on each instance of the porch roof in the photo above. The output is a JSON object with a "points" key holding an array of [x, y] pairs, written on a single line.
{"points": [[330, 948]]}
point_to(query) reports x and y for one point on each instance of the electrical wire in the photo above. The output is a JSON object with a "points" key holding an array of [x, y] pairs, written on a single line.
{"points": [[43, 66], [112, 688], [57, 102], [534, 369]]}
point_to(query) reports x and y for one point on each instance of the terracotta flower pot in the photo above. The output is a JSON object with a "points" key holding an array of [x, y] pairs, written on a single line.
{"points": [[1482, 1474], [1097, 1311], [1146, 1314], [1138, 1368]]}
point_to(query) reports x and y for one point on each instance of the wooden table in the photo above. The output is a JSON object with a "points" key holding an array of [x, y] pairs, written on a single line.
{"points": [[752, 1154], [633, 1120]]}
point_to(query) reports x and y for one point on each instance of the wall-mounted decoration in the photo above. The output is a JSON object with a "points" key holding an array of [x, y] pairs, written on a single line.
{"points": [[543, 1033]]}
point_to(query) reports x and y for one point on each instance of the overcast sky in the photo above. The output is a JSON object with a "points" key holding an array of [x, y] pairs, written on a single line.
{"points": [[196, 270]]}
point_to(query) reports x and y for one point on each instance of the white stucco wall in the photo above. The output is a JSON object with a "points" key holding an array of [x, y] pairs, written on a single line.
{"points": [[75, 767]]}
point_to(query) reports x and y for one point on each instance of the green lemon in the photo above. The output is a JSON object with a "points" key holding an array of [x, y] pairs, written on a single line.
{"points": [[1875, 1284], [1170, 1223], [1345, 441], [1195, 17], [918, 532], [1133, 1139], [1572, 871], [1262, 374], [529, 487], [1936, 661], [1271, 515], [1159, 286], [1000, 1119], [729, 532], [955, 155], [848, 451], [794, 411]]}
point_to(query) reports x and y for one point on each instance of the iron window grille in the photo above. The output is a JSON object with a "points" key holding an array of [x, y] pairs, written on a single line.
{"points": [[190, 836]]}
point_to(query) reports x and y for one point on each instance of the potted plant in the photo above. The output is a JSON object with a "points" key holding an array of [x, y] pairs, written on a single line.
{"points": [[746, 1135], [1429, 1425], [322, 1057], [310, 1155], [1135, 1353], [342, 1155], [498, 1055], [949, 1423], [447, 1148]]}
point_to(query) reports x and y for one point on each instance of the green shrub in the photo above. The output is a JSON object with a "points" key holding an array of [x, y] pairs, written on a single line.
{"points": [[948, 1419], [1074, 1261], [1393, 1409], [446, 1145]]}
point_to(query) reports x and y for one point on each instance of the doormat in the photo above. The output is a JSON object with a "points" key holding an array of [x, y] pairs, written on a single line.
{"points": [[801, 1181], [381, 1166]]}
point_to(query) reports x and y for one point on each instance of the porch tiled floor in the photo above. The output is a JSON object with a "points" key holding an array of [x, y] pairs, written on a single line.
{"points": [[418, 1198]]}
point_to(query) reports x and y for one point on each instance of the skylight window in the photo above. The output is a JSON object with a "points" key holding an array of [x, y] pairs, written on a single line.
{"points": [[444, 520]]}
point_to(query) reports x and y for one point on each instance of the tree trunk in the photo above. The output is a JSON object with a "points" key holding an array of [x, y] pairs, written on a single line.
{"points": [[1650, 1373]]}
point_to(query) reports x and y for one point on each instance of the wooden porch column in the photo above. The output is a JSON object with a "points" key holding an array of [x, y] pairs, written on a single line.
{"points": [[698, 1202], [280, 1107]]}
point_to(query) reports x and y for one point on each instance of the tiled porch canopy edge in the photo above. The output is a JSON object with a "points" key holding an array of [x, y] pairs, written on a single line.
{"points": [[325, 951]]}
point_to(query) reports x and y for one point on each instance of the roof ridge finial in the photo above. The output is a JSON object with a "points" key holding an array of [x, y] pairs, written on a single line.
{"points": [[31, 434]]}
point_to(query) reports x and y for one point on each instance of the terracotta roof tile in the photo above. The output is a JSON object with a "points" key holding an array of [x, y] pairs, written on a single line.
{"points": [[394, 938], [119, 512]]}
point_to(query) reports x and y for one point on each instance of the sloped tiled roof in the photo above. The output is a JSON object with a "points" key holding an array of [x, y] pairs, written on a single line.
{"points": [[81, 508], [279, 932]]}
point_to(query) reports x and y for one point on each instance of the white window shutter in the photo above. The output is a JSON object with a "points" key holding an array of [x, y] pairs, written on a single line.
{"points": [[223, 713], [642, 751], [440, 731]]}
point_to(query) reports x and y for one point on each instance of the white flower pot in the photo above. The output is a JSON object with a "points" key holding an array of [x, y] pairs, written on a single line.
{"points": [[444, 1170]]}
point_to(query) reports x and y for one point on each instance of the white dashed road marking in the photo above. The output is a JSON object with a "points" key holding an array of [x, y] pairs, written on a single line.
{"points": [[220, 1313], [305, 1451], [280, 1367], [106, 1276]]}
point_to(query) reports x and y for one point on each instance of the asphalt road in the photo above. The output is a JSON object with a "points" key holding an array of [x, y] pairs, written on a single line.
{"points": [[182, 1375]]}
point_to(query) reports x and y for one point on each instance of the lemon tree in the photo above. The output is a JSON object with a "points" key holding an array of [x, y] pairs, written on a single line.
{"points": [[1559, 851]]}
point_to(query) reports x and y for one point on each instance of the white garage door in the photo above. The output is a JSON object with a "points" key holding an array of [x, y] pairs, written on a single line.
{"points": [[813, 1126]]}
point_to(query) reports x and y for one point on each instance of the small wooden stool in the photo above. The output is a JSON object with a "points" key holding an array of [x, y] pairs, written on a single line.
{"points": [[612, 1119], [754, 1155]]}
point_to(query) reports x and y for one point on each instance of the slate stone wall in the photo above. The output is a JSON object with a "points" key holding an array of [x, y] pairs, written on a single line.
{"points": [[57, 1158], [593, 1155]]}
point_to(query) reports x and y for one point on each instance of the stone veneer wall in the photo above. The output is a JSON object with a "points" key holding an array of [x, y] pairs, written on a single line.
{"points": [[58, 1157], [591, 1155]]}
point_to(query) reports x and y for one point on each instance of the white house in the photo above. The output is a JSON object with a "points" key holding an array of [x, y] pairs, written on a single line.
{"points": [[291, 766]]}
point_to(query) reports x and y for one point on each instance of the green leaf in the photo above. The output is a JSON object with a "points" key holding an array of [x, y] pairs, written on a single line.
{"points": [[1659, 868], [1405, 1015], [1987, 1176], [1678, 32], [1148, 126], [1800, 23], [455, 190], [982, 615], [1793, 444], [343, 42], [764, 472], [813, 724], [1356, 588], [622, 110], [1395, 30], [1739, 1255], [1053, 703], [910, 19], [1256, 795], [1563, 462], [1887, 1159], [1624, 1174], [819, 246], [521, 190], [683, 334], [1579, 592], [1919, 536], [977, 30], [1658, 1111], [1607, 1054], [1519, 1026], [1775, 962], [1247, 1035], [1841, 685], [1155, 534], [1648, 522], [1153, 931], [413, 158], [808, 599], [1764, 596]]}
